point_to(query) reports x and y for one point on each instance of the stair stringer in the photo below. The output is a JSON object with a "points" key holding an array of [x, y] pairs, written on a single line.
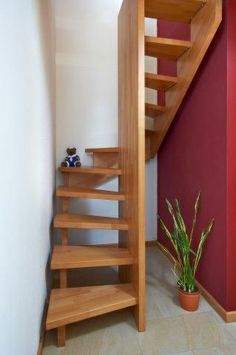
{"points": [[204, 26], [132, 146]]}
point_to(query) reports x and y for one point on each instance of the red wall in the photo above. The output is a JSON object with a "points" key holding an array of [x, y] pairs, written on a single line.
{"points": [[231, 156], [199, 154]]}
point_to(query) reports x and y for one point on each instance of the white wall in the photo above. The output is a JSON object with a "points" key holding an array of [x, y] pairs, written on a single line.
{"points": [[151, 165], [27, 174], [87, 96]]}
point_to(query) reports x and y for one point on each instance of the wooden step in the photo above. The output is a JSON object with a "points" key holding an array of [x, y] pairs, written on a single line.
{"points": [[173, 10], [159, 82], [103, 150], [71, 305], [149, 132], [75, 257], [153, 111], [67, 220], [77, 192], [91, 170], [105, 157], [165, 48]]}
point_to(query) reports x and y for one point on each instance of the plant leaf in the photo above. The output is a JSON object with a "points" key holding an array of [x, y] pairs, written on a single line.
{"points": [[196, 208], [204, 235], [179, 217]]}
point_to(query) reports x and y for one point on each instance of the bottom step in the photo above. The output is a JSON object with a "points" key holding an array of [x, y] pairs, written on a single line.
{"points": [[70, 305]]}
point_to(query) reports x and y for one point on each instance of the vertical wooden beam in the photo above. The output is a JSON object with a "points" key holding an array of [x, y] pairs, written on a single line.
{"points": [[65, 204], [66, 178], [61, 336], [64, 236], [132, 144], [63, 278], [61, 331], [64, 241]]}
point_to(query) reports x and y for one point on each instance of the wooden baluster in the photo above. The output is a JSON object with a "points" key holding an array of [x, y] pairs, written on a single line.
{"points": [[61, 336], [64, 241], [61, 331]]}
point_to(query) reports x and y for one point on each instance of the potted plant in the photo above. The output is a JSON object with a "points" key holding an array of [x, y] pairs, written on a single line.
{"points": [[186, 260]]}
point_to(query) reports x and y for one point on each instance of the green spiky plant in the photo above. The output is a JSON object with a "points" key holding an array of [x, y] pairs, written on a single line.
{"points": [[186, 260]]}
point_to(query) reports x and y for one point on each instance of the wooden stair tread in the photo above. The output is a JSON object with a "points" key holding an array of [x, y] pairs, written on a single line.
{"points": [[71, 220], [165, 48], [153, 111], [91, 170], [149, 132], [74, 257], [173, 10], [70, 305], [75, 191], [103, 150], [159, 82]]}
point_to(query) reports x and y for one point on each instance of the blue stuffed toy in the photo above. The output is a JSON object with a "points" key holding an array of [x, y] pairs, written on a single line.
{"points": [[72, 160]]}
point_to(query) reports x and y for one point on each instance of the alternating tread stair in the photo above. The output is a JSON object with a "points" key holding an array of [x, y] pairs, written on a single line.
{"points": [[72, 305], [173, 10], [73, 220], [68, 305], [204, 17], [159, 82], [75, 191], [153, 111], [74, 257], [103, 150], [91, 170], [167, 48]]}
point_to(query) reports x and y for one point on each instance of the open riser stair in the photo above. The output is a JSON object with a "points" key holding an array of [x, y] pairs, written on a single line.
{"points": [[127, 163], [204, 18], [68, 305]]}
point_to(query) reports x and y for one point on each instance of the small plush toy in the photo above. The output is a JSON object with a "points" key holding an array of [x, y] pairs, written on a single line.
{"points": [[72, 159]]}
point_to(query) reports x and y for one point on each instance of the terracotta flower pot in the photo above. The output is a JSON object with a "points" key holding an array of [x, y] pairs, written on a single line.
{"points": [[189, 301]]}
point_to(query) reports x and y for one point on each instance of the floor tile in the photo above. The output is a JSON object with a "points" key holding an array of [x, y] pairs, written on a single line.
{"points": [[203, 331], [212, 351], [106, 335], [183, 333], [228, 349], [164, 335], [153, 304], [231, 328], [222, 350]]}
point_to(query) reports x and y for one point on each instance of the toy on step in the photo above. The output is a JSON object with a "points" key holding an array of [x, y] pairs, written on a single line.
{"points": [[72, 160]]}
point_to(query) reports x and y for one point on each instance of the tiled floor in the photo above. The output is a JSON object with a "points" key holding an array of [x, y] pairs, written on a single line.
{"points": [[170, 330]]}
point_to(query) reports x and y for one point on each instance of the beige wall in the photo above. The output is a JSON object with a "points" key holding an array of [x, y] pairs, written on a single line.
{"points": [[27, 174]]}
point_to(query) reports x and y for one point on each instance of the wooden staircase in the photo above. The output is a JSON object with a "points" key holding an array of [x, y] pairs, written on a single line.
{"points": [[136, 144], [68, 305], [204, 17]]}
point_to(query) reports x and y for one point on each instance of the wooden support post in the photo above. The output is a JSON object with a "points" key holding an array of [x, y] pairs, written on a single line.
{"points": [[63, 273], [66, 178], [61, 336], [132, 144], [65, 204], [64, 236], [61, 331], [63, 278]]}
